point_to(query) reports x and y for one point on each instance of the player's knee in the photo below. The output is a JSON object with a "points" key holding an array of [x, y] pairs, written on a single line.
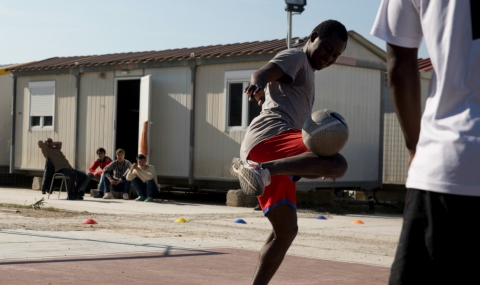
{"points": [[287, 235]]}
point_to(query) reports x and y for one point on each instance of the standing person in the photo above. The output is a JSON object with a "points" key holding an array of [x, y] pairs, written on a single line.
{"points": [[273, 148], [144, 179], [439, 237], [51, 151], [96, 169], [114, 175]]}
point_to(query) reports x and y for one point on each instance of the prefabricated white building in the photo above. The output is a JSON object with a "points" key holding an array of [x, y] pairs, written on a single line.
{"points": [[6, 89], [104, 101]]}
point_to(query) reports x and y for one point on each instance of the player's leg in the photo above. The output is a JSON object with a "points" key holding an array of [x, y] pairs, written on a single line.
{"points": [[72, 177], [89, 177], [308, 165], [412, 263], [278, 204], [81, 178], [296, 160], [284, 222]]}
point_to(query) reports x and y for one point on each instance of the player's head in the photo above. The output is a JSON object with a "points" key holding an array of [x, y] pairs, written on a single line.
{"points": [[49, 142], [141, 160], [120, 154], [326, 43], [101, 153]]}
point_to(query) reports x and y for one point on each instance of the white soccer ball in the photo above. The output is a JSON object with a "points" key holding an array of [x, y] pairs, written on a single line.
{"points": [[325, 132]]}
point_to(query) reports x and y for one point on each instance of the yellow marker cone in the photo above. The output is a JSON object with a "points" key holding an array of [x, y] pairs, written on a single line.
{"points": [[181, 220], [357, 222]]}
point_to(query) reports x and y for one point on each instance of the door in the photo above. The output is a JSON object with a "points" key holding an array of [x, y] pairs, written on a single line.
{"points": [[144, 119]]}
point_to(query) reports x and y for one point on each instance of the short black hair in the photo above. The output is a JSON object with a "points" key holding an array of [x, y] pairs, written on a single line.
{"points": [[326, 28], [101, 149], [141, 156]]}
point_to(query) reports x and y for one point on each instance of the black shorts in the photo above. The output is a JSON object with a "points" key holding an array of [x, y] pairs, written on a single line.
{"points": [[440, 240]]}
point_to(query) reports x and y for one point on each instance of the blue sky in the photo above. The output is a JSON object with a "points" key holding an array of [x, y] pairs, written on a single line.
{"points": [[35, 30]]}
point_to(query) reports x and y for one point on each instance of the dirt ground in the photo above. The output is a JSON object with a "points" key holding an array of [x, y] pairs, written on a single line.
{"points": [[367, 247]]}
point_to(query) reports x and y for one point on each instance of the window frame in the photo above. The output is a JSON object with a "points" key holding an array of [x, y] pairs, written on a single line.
{"points": [[41, 85], [238, 76]]}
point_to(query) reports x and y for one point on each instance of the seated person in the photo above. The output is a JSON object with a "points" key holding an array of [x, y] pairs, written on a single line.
{"points": [[61, 165], [96, 170], [144, 179], [114, 175]]}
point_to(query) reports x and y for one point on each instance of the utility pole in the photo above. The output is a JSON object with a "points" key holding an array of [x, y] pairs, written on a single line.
{"points": [[293, 6]]}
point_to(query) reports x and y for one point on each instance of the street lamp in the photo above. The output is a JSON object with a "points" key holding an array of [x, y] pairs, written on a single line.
{"points": [[293, 6]]}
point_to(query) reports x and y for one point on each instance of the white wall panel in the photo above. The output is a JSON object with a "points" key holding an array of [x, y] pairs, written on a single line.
{"points": [[214, 147], [170, 113], [355, 94], [27, 152], [356, 50], [6, 90], [395, 154], [95, 117]]}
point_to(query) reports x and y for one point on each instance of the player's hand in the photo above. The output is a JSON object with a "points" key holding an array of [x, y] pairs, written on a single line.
{"points": [[256, 92], [134, 166]]}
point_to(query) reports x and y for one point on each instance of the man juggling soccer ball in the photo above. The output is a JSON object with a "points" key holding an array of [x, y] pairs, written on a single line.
{"points": [[273, 150]]}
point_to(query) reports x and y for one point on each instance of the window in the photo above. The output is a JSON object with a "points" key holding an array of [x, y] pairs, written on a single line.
{"points": [[42, 104], [239, 111]]}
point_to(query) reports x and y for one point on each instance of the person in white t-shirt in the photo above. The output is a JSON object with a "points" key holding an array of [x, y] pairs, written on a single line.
{"points": [[438, 235]]}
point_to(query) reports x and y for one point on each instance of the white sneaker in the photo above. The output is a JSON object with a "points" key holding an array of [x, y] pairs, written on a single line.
{"points": [[108, 195], [125, 196], [253, 178]]}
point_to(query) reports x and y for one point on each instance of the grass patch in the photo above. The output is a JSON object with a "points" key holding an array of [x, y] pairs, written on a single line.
{"points": [[42, 208]]}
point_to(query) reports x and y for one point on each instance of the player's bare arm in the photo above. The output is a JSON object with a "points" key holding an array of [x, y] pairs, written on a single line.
{"points": [[57, 145], [268, 73], [404, 83]]}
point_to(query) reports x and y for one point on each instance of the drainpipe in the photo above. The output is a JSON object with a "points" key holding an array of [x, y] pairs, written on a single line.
{"points": [[14, 110], [193, 72], [77, 112]]}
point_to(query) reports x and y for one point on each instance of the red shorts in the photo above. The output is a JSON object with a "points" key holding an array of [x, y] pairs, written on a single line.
{"points": [[282, 190]]}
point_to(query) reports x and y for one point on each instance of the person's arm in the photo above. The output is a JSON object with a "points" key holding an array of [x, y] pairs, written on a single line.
{"points": [[94, 167], [404, 83], [57, 145], [147, 174], [108, 170], [131, 173], [259, 79], [128, 165], [44, 148]]}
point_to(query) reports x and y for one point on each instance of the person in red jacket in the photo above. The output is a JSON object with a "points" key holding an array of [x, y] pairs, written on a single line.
{"points": [[96, 170]]}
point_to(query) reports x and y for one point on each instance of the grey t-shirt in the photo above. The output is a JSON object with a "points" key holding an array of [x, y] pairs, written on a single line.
{"points": [[286, 106]]}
